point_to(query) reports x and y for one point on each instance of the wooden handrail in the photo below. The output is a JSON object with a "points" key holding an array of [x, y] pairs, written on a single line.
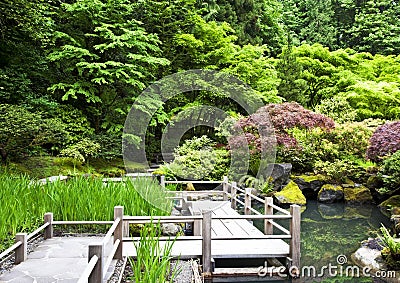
{"points": [[88, 269], [10, 249], [193, 182], [31, 235], [280, 209], [254, 210], [198, 238], [283, 229], [82, 222], [169, 217], [111, 230], [257, 198], [111, 256]]}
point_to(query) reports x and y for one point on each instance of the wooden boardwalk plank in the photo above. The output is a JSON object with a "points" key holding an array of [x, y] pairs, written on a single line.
{"points": [[224, 248], [230, 249]]}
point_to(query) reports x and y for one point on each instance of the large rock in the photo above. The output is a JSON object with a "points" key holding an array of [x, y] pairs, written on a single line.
{"points": [[391, 203], [170, 229], [369, 255], [391, 208], [357, 195], [280, 175], [330, 193], [310, 185], [291, 194]]}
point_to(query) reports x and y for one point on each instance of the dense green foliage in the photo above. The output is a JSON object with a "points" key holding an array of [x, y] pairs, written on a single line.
{"points": [[24, 202], [70, 71], [391, 171], [197, 159]]}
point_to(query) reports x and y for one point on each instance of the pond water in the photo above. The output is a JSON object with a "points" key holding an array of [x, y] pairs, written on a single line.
{"points": [[332, 230]]}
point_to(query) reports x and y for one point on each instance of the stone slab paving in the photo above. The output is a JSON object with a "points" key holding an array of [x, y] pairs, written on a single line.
{"points": [[56, 260]]}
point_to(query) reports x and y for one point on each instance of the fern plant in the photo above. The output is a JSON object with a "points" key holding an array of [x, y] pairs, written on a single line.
{"points": [[261, 183]]}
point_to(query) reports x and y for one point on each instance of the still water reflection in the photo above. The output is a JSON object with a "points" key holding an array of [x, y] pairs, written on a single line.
{"points": [[330, 230]]}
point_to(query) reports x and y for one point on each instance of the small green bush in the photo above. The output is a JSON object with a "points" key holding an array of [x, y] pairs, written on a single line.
{"points": [[338, 170], [197, 159], [391, 171]]}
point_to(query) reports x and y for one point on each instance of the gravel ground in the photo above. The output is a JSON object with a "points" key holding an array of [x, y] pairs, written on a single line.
{"points": [[185, 275]]}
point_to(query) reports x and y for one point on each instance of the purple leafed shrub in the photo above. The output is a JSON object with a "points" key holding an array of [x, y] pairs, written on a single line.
{"points": [[278, 118], [385, 140]]}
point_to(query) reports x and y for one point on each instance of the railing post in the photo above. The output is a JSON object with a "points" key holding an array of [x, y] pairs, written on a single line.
{"points": [[96, 249], [225, 187], [21, 252], [125, 229], [295, 240], [48, 231], [206, 243], [119, 231], [233, 194], [197, 226], [269, 210], [247, 201], [162, 181]]}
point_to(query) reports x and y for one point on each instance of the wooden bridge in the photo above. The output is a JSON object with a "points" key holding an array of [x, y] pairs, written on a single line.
{"points": [[219, 233]]}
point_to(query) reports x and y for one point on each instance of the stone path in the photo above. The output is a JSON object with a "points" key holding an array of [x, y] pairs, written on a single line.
{"points": [[56, 260]]}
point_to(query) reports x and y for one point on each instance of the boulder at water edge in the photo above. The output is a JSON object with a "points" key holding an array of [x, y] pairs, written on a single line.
{"points": [[330, 193], [170, 229], [280, 175], [391, 208], [357, 195], [291, 194], [310, 184]]}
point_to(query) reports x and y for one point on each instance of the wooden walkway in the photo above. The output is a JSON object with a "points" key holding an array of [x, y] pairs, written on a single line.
{"points": [[220, 233], [239, 230]]}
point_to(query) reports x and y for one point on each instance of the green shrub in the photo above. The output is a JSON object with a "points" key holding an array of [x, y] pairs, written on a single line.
{"points": [[197, 159], [391, 171], [348, 141], [337, 170], [337, 108]]}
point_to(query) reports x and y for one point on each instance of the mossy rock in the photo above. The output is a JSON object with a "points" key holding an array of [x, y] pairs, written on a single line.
{"points": [[311, 178], [348, 183], [190, 187], [291, 194], [391, 206], [310, 184], [374, 182], [330, 193], [391, 202], [358, 195]]}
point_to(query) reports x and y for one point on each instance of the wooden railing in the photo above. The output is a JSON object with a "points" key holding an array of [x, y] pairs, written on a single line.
{"points": [[20, 249], [96, 268], [231, 191], [206, 219]]}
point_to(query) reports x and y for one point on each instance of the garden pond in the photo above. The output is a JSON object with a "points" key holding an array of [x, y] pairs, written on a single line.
{"points": [[332, 230]]}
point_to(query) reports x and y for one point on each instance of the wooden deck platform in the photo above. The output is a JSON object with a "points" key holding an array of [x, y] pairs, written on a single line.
{"points": [[185, 247], [226, 227]]}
